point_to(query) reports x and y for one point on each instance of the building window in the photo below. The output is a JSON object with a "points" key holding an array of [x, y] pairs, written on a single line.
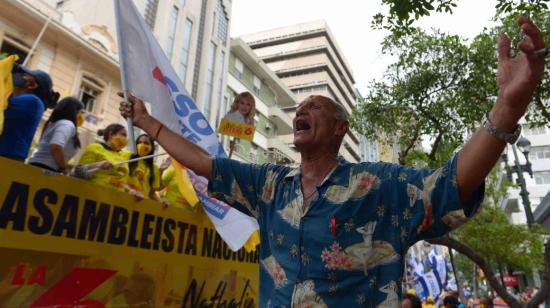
{"points": [[222, 22], [542, 177], [539, 153], [172, 32], [13, 46], [89, 93], [239, 68], [151, 12], [527, 130], [223, 110], [310, 89], [220, 86], [214, 20], [257, 85], [184, 56], [209, 80]]}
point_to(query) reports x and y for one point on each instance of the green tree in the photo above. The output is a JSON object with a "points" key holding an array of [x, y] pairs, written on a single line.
{"points": [[402, 14], [422, 94], [435, 94]]}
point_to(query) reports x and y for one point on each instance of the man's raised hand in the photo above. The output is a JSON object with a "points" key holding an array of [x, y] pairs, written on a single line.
{"points": [[135, 109], [518, 77]]}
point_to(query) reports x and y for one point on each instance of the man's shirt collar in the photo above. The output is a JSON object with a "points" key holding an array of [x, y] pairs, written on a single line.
{"points": [[338, 176]]}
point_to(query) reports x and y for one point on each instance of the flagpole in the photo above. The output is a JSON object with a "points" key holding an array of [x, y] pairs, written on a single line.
{"points": [[138, 159], [36, 41], [123, 80], [458, 287]]}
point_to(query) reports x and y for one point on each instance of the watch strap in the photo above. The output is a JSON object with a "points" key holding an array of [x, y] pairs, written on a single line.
{"points": [[498, 133]]}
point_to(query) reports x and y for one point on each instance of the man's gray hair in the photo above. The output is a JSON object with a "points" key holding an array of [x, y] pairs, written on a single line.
{"points": [[341, 114]]}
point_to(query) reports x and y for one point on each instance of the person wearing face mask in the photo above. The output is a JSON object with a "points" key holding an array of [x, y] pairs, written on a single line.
{"points": [[98, 162], [32, 94], [144, 175], [59, 141]]}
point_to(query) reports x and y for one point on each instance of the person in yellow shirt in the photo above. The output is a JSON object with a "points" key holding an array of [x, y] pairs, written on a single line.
{"points": [[144, 174], [171, 191], [99, 161], [430, 303]]}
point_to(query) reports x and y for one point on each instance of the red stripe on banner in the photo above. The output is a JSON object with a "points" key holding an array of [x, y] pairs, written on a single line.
{"points": [[73, 287]]}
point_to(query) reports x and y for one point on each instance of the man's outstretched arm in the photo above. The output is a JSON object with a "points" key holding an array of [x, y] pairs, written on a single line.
{"points": [[183, 150], [517, 79]]}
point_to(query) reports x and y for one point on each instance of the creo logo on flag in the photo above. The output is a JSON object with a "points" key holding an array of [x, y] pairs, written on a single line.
{"points": [[185, 107]]}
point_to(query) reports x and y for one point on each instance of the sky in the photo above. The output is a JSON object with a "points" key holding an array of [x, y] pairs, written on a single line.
{"points": [[350, 22]]}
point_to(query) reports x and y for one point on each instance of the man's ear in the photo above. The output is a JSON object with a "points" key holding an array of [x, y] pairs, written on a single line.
{"points": [[342, 128]]}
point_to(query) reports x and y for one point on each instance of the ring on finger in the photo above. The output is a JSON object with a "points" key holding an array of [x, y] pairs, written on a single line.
{"points": [[543, 52]]}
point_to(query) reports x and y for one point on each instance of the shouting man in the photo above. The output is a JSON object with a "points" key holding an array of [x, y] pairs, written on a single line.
{"points": [[334, 233]]}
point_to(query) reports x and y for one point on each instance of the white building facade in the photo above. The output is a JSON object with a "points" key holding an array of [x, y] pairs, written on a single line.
{"points": [[538, 186], [193, 33]]}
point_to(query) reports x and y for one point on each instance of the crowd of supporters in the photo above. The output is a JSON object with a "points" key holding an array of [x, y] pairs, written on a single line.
{"points": [[106, 162]]}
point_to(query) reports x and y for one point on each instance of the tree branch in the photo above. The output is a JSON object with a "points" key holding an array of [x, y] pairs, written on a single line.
{"points": [[451, 84], [545, 281], [403, 155], [477, 259], [435, 146]]}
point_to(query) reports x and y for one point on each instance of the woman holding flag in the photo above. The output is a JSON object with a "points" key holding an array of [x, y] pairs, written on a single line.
{"points": [[105, 163]]}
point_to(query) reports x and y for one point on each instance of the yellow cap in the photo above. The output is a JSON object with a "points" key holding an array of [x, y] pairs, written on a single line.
{"points": [[411, 291]]}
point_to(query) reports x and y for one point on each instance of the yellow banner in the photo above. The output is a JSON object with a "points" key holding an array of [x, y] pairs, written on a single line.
{"points": [[65, 242], [236, 129]]}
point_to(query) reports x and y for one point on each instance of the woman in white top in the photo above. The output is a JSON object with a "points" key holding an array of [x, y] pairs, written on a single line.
{"points": [[59, 140], [243, 109]]}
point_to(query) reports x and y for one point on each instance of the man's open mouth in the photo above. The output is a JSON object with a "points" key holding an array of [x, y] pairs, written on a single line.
{"points": [[302, 125]]}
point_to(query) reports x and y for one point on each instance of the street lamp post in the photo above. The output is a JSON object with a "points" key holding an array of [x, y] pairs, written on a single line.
{"points": [[524, 145]]}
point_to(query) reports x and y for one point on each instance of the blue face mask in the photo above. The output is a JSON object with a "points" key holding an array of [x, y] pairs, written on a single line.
{"points": [[19, 80]]}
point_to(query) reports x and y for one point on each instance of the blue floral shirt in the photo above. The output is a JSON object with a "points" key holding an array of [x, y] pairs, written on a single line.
{"points": [[346, 249]]}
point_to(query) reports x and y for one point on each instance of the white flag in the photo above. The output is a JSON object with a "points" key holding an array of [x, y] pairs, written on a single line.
{"points": [[439, 265], [150, 76], [429, 284]]}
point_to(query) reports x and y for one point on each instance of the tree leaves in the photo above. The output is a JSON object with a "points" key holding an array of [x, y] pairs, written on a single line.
{"points": [[424, 93], [403, 13], [439, 87]]}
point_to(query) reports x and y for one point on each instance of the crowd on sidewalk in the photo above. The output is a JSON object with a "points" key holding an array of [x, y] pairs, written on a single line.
{"points": [[451, 299]]}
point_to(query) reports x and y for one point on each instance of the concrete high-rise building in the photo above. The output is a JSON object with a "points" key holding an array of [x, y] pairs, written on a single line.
{"points": [[308, 60], [248, 73], [193, 33]]}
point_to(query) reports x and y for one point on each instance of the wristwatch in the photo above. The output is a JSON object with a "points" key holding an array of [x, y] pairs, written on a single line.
{"points": [[499, 134]]}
